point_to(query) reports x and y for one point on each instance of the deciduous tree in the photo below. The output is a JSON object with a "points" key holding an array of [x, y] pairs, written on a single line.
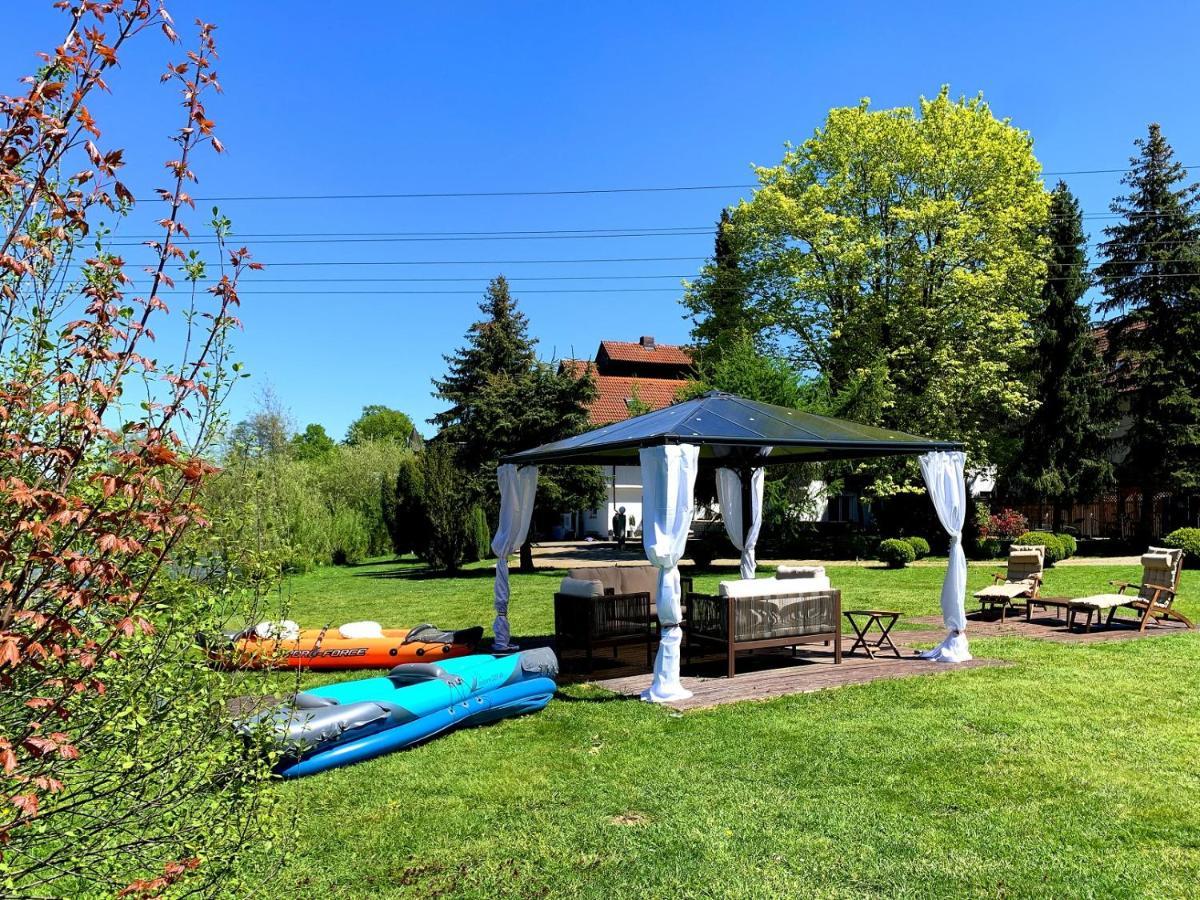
{"points": [[899, 254]]}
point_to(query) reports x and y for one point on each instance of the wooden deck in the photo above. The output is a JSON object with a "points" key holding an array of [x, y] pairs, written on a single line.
{"points": [[768, 674], [777, 673]]}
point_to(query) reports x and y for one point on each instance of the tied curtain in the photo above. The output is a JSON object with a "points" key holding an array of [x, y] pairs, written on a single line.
{"points": [[518, 486], [668, 490], [729, 497], [947, 487]]}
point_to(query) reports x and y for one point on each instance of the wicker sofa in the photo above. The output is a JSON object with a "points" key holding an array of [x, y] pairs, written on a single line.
{"points": [[601, 607], [765, 613]]}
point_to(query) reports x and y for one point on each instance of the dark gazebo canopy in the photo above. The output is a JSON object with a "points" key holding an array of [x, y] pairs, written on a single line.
{"points": [[731, 429]]}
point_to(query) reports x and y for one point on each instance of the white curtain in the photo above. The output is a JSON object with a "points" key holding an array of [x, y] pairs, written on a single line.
{"points": [[668, 489], [518, 486], [948, 490], [729, 496]]}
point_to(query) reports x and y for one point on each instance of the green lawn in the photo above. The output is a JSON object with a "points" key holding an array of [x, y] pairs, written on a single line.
{"points": [[1071, 772]]}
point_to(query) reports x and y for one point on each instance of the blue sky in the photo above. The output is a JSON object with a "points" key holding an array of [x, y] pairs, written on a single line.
{"points": [[375, 97]]}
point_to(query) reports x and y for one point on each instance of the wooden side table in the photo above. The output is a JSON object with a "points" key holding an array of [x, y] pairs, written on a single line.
{"points": [[883, 619]]}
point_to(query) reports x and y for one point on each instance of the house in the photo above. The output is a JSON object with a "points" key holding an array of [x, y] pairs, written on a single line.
{"points": [[631, 378]]}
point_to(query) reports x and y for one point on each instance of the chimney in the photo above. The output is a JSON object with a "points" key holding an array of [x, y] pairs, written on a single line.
{"points": [[647, 341]]}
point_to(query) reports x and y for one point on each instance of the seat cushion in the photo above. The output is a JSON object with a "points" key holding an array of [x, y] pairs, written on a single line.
{"points": [[1008, 590], [356, 631], [772, 587], [638, 580], [578, 587], [1104, 601], [800, 572], [608, 576]]}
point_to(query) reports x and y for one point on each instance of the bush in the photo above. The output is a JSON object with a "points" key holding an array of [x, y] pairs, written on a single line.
{"points": [[896, 553], [986, 548], [1056, 551], [1006, 525], [446, 508], [1069, 543], [350, 538], [1187, 540], [920, 546], [406, 515], [479, 536]]}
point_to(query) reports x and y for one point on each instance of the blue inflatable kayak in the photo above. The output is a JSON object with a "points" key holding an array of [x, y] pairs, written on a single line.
{"points": [[346, 723]]}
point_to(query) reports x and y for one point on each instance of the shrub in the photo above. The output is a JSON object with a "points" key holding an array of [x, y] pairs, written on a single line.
{"points": [[920, 546], [350, 538], [407, 511], [1188, 540], [446, 508], [986, 548], [1069, 544], [896, 553], [479, 536], [1055, 550], [1006, 525]]}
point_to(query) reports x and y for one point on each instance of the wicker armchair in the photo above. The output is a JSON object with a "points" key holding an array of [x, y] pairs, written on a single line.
{"points": [[753, 615], [608, 607]]}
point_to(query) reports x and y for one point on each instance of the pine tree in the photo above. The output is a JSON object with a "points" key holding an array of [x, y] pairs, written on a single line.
{"points": [[1151, 280], [503, 399], [717, 299], [1064, 457]]}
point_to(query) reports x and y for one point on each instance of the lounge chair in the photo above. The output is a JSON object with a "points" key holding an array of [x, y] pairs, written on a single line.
{"points": [[1021, 579], [1161, 572]]}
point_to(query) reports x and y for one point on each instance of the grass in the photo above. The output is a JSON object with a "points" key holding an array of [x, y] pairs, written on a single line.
{"points": [[1071, 772]]}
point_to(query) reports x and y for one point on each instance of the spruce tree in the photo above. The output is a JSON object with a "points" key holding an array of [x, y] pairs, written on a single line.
{"points": [[717, 299], [1064, 447], [504, 399], [1151, 281]]}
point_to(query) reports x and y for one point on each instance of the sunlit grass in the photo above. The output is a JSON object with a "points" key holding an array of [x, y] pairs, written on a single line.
{"points": [[1069, 772]]}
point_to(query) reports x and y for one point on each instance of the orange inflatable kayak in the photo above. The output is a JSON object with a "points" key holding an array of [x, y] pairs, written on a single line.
{"points": [[347, 647]]}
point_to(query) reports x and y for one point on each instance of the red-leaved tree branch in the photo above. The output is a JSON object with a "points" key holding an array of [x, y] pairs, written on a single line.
{"points": [[98, 486]]}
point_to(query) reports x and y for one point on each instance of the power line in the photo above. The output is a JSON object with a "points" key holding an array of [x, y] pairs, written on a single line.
{"points": [[569, 192]]}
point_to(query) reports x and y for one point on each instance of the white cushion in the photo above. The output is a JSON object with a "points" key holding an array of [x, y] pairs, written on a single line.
{"points": [[772, 587], [357, 631], [287, 630], [800, 572], [577, 587], [1009, 589], [1103, 601]]}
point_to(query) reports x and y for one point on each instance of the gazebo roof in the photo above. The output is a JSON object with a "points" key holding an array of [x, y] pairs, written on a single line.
{"points": [[726, 426]]}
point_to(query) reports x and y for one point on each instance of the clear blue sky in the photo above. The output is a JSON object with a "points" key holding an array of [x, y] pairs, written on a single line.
{"points": [[375, 97]]}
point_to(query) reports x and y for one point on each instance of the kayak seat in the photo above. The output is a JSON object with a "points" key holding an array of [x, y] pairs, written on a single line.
{"points": [[418, 673]]}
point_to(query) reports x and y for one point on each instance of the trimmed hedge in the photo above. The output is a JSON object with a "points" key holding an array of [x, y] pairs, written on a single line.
{"points": [[1188, 540], [920, 546], [1070, 544], [1056, 549], [896, 553], [986, 548]]}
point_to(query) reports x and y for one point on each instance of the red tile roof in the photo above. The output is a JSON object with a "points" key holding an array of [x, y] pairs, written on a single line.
{"points": [[613, 392], [628, 351]]}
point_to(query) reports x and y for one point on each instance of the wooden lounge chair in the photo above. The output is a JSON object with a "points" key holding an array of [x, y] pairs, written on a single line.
{"points": [[1162, 570], [1022, 579]]}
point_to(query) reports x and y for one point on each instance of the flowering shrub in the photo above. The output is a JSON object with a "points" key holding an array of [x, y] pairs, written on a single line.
{"points": [[1005, 525], [118, 768]]}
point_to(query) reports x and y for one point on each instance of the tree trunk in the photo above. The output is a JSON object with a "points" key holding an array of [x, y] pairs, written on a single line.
{"points": [[527, 558]]}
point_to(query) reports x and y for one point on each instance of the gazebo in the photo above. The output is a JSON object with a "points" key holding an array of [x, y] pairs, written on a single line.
{"points": [[738, 437]]}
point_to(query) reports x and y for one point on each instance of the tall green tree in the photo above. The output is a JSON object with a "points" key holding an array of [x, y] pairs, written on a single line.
{"points": [[312, 444], [1151, 281], [503, 399], [1064, 447], [717, 300], [899, 253], [381, 423]]}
